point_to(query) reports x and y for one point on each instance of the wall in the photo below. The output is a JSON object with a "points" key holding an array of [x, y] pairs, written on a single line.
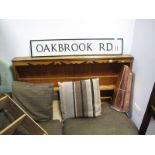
{"points": [[16, 34], [143, 50]]}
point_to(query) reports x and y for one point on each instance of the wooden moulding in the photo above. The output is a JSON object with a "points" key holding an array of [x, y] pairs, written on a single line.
{"points": [[71, 58], [18, 117]]}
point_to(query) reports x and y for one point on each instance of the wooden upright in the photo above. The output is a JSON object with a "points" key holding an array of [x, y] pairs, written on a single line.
{"points": [[150, 111]]}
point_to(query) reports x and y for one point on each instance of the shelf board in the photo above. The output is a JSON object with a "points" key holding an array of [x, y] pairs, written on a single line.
{"points": [[11, 127], [102, 87], [68, 77]]}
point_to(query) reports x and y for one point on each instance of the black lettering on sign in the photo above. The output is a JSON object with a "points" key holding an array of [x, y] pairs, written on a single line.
{"points": [[46, 48], [61, 49], [88, 46], [53, 48], [101, 47], [74, 47], [109, 46], [66, 47], [82, 47], [39, 48]]}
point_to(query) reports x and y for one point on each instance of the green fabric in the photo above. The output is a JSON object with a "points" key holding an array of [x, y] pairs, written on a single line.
{"points": [[52, 127], [35, 99], [110, 123], [5, 77]]}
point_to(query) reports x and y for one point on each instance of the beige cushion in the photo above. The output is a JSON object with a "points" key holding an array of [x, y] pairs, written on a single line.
{"points": [[80, 98], [56, 111]]}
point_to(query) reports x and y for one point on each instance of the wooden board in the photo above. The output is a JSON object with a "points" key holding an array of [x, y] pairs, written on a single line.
{"points": [[13, 126]]}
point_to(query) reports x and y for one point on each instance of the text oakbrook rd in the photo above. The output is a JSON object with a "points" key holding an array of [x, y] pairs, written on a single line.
{"points": [[73, 47]]}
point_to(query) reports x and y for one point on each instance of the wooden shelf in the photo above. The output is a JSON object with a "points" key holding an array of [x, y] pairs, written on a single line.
{"points": [[102, 87], [67, 78], [72, 68]]}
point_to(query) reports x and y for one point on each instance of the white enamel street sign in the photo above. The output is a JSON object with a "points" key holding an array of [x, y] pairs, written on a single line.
{"points": [[73, 47]]}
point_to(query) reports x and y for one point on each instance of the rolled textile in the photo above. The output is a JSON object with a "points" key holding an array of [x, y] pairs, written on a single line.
{"points": [[121, 97]]}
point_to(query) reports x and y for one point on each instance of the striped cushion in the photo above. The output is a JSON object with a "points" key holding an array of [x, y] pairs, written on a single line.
{"points": [[80, 98]]}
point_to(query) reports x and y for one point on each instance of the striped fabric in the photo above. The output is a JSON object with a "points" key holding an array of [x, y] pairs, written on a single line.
{"points": [[80, 98]]}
